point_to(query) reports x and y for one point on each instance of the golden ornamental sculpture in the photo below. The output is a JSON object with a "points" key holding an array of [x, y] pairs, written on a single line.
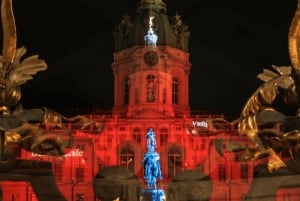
{"points": [[275, 134], [294, 38], [25, 127]]}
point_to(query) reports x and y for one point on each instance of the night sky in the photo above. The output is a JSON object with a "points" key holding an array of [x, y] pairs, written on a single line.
{"points": [[231, 42]]}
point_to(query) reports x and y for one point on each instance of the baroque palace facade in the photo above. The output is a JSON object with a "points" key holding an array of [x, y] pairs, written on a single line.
{"points": [[151, 90]]}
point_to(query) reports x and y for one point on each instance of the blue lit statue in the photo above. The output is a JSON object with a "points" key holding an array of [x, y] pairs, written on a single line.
{"points": [[151, 140], [152, 170], [152, 167], [150, 38], [151, 163]]}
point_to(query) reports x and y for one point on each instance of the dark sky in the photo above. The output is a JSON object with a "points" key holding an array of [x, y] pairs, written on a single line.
{"points": [[231, 42]]}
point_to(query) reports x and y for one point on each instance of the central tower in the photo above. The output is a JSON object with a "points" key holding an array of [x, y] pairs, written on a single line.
{"points": [[151, 63]]}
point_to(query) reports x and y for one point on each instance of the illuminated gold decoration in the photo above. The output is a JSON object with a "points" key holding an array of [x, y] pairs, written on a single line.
{"points": [[294, 39], [25, 128], [9, 32], [258, 111]]}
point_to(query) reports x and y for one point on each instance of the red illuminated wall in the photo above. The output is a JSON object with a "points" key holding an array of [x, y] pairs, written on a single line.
{"points": [[123, 144]]}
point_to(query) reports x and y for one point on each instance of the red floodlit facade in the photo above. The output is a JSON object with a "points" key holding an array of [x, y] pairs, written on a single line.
{"points": [[151, 90]]}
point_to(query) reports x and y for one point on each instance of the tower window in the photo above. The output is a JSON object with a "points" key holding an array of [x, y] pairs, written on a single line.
{"points": [[174, 90], [150, 88]]}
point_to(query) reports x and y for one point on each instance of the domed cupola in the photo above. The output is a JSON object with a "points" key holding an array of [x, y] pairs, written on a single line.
{"points": [[151, 63], [130, 33]]}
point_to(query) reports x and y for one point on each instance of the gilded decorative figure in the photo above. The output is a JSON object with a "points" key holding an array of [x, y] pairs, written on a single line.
{"points": [[273, 133], [25, 127], [15, 124]]}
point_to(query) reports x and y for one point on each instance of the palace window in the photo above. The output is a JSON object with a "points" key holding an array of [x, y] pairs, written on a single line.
{"points": [[287, 197], [174, 161], [80, 147], [244, 172], [136, 135], [136, 96], [192, 143], [127, 157], [203, 143], [178, 128], [79, 197], [126, 91], [174, 90], [109, 142], [163, 138], [151, 89], [80, 174]]}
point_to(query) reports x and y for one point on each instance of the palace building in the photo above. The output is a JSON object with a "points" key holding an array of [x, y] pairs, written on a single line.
{"points": [[151, 71]]}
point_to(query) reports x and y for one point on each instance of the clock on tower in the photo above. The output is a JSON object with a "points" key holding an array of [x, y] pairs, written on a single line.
{"points": [[151, 58]]}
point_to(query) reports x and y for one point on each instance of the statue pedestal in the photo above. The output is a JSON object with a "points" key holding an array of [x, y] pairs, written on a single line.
{"points": [[153, 195], [115, 182]]}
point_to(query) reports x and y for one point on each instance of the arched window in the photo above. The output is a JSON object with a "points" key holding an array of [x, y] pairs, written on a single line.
{"points": [[174, 161], [174, 90], [126, 91], [163, 137], [127, 157], [151, 88], [136, 135]]}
